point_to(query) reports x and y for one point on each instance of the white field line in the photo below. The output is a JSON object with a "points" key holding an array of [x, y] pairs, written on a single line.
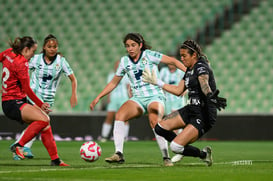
{"points": [[232, 163]]}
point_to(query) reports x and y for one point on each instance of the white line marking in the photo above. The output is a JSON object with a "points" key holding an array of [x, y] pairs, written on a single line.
{"points": [[233, 163]]}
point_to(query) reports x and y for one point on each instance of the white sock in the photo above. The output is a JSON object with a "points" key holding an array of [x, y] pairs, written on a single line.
{"points": [[105, 131], [176, 148], [163, 145], [127, 128], [29, 144], [118, 133]]}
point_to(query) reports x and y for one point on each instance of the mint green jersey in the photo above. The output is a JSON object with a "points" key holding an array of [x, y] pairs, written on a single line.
{"points": [[45, 77], [148, 59], [173, 102]]}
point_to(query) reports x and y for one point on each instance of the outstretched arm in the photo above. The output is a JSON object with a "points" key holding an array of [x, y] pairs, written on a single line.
{"points": [[74, 84], [108, 88], [170, 60]]}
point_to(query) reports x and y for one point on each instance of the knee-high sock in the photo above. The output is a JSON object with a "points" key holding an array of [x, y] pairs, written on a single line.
{"points": [[193, 151], [127, 129], [29, 144], [119, 133], [105, 131], [163, 145], [49, 143], [32, 130]]}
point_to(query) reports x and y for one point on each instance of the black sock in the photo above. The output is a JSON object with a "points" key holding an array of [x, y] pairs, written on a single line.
{"points": [[168, 135], [57, 161], [193, 151], [17, 144]]}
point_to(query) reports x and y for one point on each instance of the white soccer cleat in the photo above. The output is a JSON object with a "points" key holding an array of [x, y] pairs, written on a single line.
{"points": [[208, 160], [177, 158], [167, 162], [115, 158]]}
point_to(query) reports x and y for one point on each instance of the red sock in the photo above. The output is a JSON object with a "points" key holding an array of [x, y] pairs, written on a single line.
{"points": [[49, 142], [32, 130]]}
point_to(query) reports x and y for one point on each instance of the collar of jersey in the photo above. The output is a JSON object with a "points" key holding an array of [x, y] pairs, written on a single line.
{"points": [[138, 58]]}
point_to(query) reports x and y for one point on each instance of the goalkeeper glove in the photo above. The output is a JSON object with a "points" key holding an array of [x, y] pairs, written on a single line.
{"points": [[219, 102], [151, 78]]}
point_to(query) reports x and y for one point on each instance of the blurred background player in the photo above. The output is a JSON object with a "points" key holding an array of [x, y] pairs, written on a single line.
{"points": [[146, 98], [16, 88], [171, 75], [47, 68], [114, 100]]}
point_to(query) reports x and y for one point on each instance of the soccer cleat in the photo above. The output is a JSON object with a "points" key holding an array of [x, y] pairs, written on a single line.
{"points": [[177, 158], [208, 159], [61, 164], [103, 140], [115, 158], [15, 157], [28, 153], [167, 162], [18, 150]]}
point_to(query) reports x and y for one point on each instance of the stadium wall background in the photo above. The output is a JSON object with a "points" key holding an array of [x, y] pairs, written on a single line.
{"points": [[228, 127]]}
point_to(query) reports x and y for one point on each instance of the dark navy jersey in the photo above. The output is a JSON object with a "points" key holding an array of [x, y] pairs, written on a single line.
{"points": [[192, 83]]}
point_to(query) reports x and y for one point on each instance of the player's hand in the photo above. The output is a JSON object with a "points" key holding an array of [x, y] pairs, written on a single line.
{"points": [[149, 77], [93, 103], [219, 102], [45, 107], [73, 101]]}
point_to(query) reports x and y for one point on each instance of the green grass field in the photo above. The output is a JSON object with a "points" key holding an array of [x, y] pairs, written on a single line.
{"points": [[232, 161]]}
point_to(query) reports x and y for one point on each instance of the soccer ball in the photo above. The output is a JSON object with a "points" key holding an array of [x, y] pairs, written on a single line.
{"points": [[90, 151]]}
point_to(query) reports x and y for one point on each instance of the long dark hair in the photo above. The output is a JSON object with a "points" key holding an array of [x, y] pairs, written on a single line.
{"points": [[20, 43], [194, 47], [48, 38], [137, 38]]}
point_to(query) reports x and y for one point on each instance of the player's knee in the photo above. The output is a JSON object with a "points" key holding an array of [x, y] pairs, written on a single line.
{"points": [[168, 135], [176, 148], [46, 118]]}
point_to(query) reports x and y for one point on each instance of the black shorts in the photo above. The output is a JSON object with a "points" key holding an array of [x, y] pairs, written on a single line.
{"points": [[12, 108], [195, 116]]}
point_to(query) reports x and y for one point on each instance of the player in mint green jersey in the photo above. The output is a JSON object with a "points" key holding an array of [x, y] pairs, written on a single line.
{"points": [[47, 68], [147, 98]]}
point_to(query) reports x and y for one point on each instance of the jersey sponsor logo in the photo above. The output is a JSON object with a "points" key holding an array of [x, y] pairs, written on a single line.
{"points": [[128, 67], [138, 74], [198, 121], [139, 86], [195, 101], [172, 82]]}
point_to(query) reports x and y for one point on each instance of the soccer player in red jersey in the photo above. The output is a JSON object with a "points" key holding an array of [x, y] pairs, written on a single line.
{"points": [[16, 88]]}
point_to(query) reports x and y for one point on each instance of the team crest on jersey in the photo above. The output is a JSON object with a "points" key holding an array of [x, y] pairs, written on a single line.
{"points": [[57, 67], [26, 64], [144, 61]]}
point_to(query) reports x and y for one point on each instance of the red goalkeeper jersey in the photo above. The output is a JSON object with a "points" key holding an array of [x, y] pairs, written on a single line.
{"points": [[15, 77]]}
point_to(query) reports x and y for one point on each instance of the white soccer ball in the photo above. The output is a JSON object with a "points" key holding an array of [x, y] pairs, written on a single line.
{"points": [[90, 151]]}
